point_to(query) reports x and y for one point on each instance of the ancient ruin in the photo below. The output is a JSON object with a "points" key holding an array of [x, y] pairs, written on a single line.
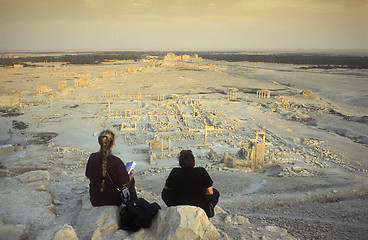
{"points": [[168, 146], [108, 74], [292, 161], [257, 151], [110, 93], [18, 65], [42, 89], [263, 94], [10, 99], [232, 95], [132, 69], [84, 82], [160, 97], [62, 85]]}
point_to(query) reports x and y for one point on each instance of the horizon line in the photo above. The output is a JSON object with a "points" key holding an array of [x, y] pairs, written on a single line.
{"points": [[250, 50]]}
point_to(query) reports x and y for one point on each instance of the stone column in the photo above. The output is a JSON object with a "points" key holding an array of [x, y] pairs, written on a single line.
{"points": [[109, 109]]}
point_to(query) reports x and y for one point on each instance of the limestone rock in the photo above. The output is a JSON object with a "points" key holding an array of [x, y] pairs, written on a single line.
{"points": [[241, 220], [307, 93], [92, 219], [180, 222], [33, 176], [212, 155], [229, 159], [183, 222], [276, 230], [59, 232], [28, 207], [66, 233], [13, 232]]}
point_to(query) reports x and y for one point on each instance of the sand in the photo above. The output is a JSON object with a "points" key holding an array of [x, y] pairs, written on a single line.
{"points": [[315, 182]]}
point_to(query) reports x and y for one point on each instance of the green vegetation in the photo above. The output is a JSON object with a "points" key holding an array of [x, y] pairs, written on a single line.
{"points": [[79, 58], [324, 61]]}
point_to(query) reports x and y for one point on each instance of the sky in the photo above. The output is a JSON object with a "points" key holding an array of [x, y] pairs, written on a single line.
{"points": [[183, 24]]}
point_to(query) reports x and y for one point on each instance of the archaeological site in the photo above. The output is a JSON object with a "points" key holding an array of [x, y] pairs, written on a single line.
{"points": [[285, 145]]}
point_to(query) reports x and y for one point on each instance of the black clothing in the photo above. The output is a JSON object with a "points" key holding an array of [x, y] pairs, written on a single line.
{"points": [[187, 186], [118, 172]]}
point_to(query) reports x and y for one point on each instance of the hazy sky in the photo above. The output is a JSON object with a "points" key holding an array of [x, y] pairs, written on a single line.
{"points": [[184, 24]]}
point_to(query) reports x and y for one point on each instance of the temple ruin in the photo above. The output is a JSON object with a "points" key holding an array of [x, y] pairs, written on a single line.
{"points": [[109, 74], [62, 85], [263, 94], [168, 146], [232, 94], [42, 89], [110, 93]]}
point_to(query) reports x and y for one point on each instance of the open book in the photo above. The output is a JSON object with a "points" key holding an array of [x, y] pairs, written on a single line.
{"points": [[130, 166]]}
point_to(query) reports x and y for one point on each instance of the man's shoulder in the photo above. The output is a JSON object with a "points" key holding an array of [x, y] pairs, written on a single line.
{"points": [[175, 171], [200, 169]]}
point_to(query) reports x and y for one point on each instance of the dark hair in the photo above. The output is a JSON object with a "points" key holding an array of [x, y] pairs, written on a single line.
{"points": [[106, 140], [186, 159]]}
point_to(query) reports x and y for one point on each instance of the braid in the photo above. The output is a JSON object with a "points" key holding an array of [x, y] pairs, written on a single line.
{"points": [[106, 140]]}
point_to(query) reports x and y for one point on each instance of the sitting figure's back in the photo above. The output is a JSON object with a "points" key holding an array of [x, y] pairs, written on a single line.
{"points": [[189, 185]]}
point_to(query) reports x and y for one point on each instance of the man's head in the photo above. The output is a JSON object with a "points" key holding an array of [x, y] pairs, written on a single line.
{"points": [[186, 159]]}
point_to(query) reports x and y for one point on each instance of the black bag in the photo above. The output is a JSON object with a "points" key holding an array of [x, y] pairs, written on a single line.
{"points": [[137, 213], [210, 210]]}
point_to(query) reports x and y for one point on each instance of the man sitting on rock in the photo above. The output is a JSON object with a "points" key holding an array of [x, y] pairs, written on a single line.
{"points": [[190, 185]]}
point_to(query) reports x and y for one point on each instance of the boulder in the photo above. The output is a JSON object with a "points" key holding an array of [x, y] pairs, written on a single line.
{"points": [[62, 232], [307, 93], [66, 233], [29, 206], [13, 231], [30, 202], [96, 221], [276, 231], [180, 222], [33, 176], [183, 222]]}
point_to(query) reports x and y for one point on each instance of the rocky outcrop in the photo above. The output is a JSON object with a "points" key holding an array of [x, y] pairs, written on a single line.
{"points": [[29, 201], [63, 232], [34, 176], [181, 222], [38, 219], [186, 222], [94, 221], [13, 231]]}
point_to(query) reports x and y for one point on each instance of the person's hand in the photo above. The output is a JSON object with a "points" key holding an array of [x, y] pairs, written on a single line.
{"points": [[209, 191], [132, 173]]}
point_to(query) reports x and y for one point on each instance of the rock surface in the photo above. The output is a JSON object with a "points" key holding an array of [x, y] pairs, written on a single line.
{"points": [[186, 222], [13, 231]]}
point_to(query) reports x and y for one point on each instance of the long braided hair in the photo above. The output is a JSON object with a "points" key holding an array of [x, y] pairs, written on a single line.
{"points": [[106, 139]]}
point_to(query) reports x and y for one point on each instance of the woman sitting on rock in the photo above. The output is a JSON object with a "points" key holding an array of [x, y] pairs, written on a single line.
{"points": [[101, 189], [189, 185]]}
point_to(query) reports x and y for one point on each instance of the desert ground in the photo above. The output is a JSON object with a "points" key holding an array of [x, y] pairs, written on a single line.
{"points": [[314, 180]]}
